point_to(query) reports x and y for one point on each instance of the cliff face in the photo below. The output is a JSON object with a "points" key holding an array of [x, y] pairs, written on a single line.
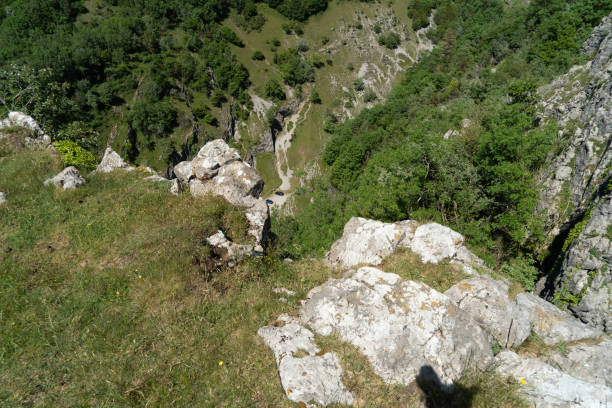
{"points": [[576, 195]]}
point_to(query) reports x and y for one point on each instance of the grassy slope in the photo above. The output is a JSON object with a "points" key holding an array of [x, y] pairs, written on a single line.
{"points": [[345, 45], [108, 298]]}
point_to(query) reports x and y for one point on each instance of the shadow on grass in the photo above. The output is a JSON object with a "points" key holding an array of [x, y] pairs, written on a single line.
{"points": [[440, 395]]}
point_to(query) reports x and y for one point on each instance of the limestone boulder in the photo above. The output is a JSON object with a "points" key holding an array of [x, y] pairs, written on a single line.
{"points": [[2, 198], [37, 137], [112, 161], [546, 387], [487, 300], [237, 182], [587, 361], [68, 178], [176, 187], [229, 251], [404, 328], [184, 172], [211, 157], [552, 324], [369, 242], [312, 378]]}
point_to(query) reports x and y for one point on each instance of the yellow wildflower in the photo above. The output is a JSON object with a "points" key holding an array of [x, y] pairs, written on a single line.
{"points": [[220, 363], [139, 276], [522, 381], [117, 293]]}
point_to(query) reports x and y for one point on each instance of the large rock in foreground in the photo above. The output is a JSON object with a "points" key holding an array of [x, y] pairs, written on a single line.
{"points": [[218, 170], [406, 329], [369, 242], [547, 387], [552, 324], [67, 179], [314, 377], [591, 362], [487, 300]]}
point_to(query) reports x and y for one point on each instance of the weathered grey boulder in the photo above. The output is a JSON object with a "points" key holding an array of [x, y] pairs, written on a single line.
{"points": [[552, 324], [176, 187], [2, 198], [37, 137], [231, 252], [212, 156], [68, 178], [368, 242], [218, 170], [184, 172], [404, 328], [237, 182], [311, 378], [435, 242], [589, 361], [488, 302], [547, 387], [112, 161]]}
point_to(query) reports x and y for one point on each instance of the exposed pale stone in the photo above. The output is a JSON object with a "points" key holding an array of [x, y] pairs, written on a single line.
{"points": [[400, 326], [283, 291], [488, 302], [233, 252], [112, 161], [211, 157], [368, 242], [547, 387], [312, 378], [176, 187], [184, 171], [68, 178], [38, 139], [590, 361], [552, 324], [2, 198], [435, 242]]}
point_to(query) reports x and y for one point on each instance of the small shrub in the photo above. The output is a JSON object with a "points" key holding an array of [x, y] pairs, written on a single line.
{"points": [[522, 271], [274, 90], [390, 40], [258, 56], [369, 96], [314, 97], [74, 155], [358, 84]]}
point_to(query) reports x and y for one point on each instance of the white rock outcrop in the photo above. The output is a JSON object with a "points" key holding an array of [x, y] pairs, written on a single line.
{"points": [[591, 362], [112, 161], [552, 324], [488, 302], [67, 179], [37, 138], [406, 329], [546, 387], [369, 242], [218, 170], [314, 377], [2, 198]]}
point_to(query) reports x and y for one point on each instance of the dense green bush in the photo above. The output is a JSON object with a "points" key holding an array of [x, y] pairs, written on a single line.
{"points": [[390, 40], [74, 155], [274, 90]]}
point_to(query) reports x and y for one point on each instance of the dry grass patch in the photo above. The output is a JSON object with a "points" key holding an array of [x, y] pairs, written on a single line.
{"points": [[408, 265]]}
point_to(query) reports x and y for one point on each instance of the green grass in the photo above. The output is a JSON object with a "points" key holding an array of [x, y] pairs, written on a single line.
{"points": [[110, 297], [266, 167]]}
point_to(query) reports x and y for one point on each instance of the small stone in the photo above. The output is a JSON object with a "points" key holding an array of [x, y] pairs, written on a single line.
{"points": [[112, 161], [2, 198], [68, 178]]}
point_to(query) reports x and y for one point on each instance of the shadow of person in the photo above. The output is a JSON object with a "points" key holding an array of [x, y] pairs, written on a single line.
{"points": [[440, 395]]}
